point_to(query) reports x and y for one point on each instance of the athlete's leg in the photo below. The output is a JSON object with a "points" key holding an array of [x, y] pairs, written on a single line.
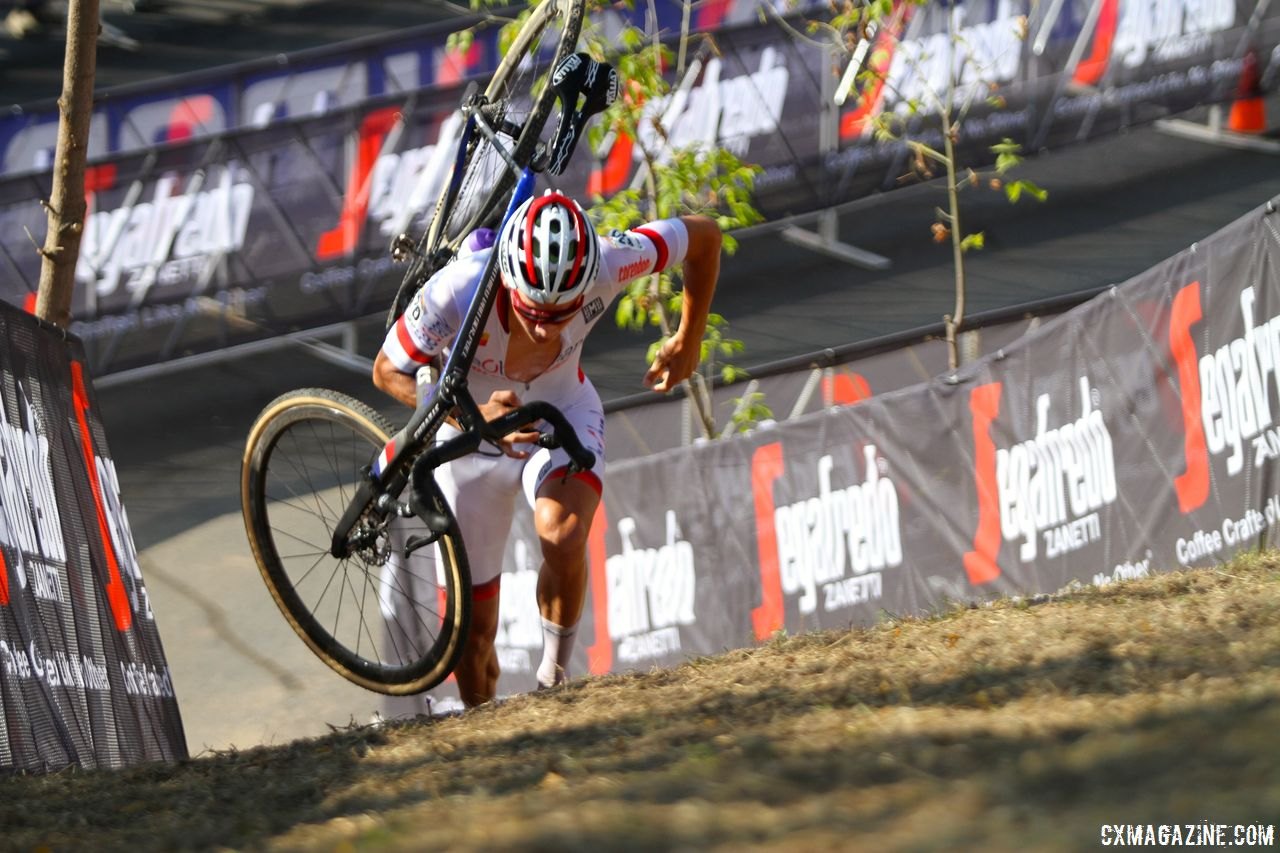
{"points": [[562, 517], [481, 489], [477, 670]]}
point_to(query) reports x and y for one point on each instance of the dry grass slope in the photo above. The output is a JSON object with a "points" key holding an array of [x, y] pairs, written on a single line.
{"points": [[1002, 727]]}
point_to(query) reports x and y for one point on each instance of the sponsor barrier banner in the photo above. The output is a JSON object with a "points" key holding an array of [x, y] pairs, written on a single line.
{"points": [[265, 204], [83, 678], [1138, 432], [651, 423]]}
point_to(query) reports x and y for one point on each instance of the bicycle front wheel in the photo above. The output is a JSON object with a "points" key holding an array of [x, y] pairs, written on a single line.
{"points": [[391, 623]]}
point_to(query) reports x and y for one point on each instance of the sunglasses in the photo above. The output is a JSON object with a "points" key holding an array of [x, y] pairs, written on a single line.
{"points": [[535, 314]]}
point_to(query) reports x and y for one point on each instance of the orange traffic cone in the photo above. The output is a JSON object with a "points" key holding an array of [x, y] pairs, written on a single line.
{"points": [[1248, 111]]}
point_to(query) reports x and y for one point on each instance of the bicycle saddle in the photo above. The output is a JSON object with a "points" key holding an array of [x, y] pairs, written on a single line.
{"points": [[585, 87]]}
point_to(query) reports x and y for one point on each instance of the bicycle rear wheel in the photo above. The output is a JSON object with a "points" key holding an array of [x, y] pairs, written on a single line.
{"points": [[390, 624], [517, 97]]}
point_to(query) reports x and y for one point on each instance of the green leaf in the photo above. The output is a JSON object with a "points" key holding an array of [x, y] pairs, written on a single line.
{"points": [[1013, 190], [976, 240]]}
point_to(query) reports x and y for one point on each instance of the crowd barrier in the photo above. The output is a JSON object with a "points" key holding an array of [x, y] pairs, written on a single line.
{"points": [[647, 423], [230, 210], [1136, 433], [83, 677]]}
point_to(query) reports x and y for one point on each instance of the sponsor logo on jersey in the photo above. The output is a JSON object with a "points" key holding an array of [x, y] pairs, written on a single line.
{"points": [[633, 270], [592, 309], [624, 240]]}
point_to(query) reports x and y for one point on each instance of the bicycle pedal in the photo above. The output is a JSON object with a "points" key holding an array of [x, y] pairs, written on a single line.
{"points": [[585, 87]]}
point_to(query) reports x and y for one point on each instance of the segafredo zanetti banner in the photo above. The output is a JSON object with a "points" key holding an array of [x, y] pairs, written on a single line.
{"points": [[265, 204], [1136, 433], [83, 677]]}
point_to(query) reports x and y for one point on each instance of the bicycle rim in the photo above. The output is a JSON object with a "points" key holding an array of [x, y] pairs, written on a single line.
{"points": [[519, 91], [389, 624]]}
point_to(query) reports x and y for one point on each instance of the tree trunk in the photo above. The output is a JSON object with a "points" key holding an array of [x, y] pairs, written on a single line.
{"points": [[66, 208]]}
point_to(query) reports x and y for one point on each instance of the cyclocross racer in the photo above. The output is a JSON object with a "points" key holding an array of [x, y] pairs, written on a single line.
{"points": [[560, 277]]}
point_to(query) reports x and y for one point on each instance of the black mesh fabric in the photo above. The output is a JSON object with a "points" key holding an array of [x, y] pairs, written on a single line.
{"points": [[83, 677]]}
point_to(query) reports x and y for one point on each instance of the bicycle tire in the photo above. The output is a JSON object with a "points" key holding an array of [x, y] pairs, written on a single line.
{"points": [[483, 190], [289, 505]]}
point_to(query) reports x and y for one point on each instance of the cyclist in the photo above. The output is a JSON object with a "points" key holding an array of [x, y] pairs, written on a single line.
{"points": [[559, 277]]}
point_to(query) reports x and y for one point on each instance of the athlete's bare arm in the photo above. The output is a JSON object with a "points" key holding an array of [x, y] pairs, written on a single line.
{"points": [[679, 356], [387, 377]]}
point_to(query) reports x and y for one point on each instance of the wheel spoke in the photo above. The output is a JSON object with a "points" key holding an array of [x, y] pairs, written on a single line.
{"points": [[311, 469]]}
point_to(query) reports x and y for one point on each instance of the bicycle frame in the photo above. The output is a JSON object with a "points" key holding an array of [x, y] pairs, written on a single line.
{"points": [[390, 471]]}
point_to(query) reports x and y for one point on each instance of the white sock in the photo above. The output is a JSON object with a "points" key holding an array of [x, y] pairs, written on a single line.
{"points": [[557, 648]]}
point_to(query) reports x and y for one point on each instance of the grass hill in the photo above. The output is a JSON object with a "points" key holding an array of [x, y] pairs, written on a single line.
{"points": [[1012, 726]]}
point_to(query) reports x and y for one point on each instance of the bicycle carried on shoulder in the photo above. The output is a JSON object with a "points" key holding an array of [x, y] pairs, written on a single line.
{"points": [[342, 512]]}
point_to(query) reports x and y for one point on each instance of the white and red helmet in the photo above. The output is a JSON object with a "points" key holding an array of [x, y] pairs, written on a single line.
{"points": [[548, 251]]}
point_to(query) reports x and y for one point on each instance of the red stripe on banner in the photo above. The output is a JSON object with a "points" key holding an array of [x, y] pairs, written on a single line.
{"points": [[188, 117], [600, 653], [1090, 69], [4, 579], [712, 13], [767, 465], [1192, 485], [344, 237], [980, 563], [609, 177], [854, 123], [407, 343], [659, 244], [455, 64], [116, 595], [845, 389]]}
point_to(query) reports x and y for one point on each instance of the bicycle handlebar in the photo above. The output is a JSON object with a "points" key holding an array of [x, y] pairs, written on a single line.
{"points": [[561, 430], [494, 430], [562, 434]]}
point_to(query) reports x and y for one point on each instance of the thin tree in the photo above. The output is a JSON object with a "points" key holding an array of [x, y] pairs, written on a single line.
{"points": [[66, 205]]}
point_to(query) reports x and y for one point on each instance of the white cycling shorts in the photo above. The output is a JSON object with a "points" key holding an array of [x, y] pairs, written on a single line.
{"points": [[482, 488]]}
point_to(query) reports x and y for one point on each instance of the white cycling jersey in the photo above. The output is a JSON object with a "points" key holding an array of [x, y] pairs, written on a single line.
{"points": [[431, 321], [482, 488]]}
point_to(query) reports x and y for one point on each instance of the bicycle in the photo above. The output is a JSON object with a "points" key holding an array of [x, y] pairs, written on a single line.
{"points": [[341, 524]]}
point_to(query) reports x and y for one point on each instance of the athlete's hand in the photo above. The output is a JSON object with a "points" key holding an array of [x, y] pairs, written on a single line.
{"points": [[501, 402], [675, 362]]}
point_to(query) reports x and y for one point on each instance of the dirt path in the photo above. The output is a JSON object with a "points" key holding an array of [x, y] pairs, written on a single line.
{"points": [[1005, 727]]}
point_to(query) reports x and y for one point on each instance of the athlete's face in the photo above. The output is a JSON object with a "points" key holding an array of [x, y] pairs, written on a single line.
{"points": [[542, 325]]}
